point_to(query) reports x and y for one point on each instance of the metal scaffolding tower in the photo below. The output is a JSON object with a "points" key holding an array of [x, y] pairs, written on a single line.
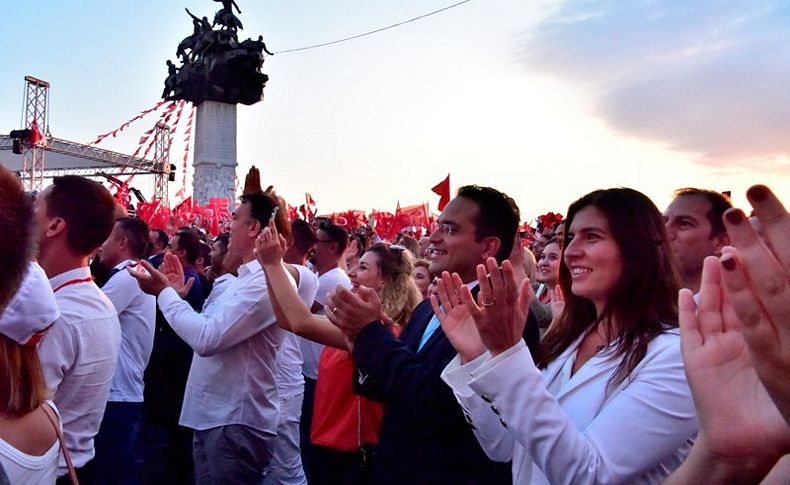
{"points": [[36, 110], [161, 162]]}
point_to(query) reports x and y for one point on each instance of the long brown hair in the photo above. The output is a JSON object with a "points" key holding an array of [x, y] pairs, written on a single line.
{"points": [[22, 385], [399, 295], [644, 300]]}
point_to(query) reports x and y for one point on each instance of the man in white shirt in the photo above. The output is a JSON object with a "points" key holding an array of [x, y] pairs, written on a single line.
{"points": [[331, 241], [118, 444], [231, 397], [74, 216]]}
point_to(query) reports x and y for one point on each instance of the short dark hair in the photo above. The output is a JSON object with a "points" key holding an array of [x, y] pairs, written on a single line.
{"points": [[498, 216], [136, 232], [719, 203], [204, 251], [16, 219], [303, 235], [161, 237], [189, 242], [261, 207], [223, 240], [88, 209], [336, 234]]}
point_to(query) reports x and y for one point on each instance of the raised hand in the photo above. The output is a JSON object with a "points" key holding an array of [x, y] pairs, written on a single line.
{"points": [[557, 305], [174, 272], [501, 309], [518, 258], [252, 182], [269, 246], [455, 318], [351, 312], [757, 279], [739, 423], [153, 282]]}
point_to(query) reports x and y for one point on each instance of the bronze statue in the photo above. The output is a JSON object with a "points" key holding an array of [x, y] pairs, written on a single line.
{"points": [[215, 65], [170, 82], [226, 5]]}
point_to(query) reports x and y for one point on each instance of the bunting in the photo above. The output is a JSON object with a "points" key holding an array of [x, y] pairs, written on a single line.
{"points": [[125, 125]]}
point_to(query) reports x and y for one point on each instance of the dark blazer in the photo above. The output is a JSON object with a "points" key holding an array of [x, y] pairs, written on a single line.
{"points": [[425, 438]]}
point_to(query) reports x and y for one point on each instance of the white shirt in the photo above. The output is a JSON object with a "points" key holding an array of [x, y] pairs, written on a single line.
{"points": [[218, 288], [78, 357], [137, 315], [289, 358], [564, 429], [235, 340], [24, 469], [311, 351]]}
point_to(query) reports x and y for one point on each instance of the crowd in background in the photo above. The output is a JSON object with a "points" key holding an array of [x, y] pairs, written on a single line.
{"points": [[621, 344]]}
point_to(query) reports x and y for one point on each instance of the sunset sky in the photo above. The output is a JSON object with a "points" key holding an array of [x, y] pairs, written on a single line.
{"points": [[545, 100]]}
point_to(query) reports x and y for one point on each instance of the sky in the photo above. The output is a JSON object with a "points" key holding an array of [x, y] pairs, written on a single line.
{"points": [[545, 100]]}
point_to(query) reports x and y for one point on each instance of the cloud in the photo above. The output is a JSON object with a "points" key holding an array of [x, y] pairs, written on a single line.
{"points": [[708, 77]]}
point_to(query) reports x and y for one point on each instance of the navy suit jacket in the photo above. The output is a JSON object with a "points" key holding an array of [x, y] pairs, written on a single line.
{"points": [[425, 437]]}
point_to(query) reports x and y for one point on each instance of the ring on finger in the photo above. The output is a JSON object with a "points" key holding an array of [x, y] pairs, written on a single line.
{"points": [[488, 303]]}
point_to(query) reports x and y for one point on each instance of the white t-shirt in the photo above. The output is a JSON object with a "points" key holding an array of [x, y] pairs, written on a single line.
{"points": [[137, 315], [289, 358], [311, 351], [78, 357]]}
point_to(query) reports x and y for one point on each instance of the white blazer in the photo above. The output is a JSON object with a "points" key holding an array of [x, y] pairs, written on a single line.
{"points": [[569, 430]]}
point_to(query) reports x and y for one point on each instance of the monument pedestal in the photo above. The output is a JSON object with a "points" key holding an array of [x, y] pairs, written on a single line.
{"points": [[215, 153]]}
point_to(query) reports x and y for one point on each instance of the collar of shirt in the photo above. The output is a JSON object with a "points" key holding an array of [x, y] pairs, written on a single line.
{"points": [[222, 279], [252, 267], [73, 274], [123, 264]]}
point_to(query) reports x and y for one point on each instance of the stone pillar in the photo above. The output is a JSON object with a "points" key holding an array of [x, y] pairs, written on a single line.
{"points": [[215, 152]]}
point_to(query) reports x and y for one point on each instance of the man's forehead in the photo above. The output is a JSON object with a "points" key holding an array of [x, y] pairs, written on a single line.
{"points": [[690, 206], [459, 211]]}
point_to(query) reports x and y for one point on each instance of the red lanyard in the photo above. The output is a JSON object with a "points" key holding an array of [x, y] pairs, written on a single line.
{"points": [[73, 282]]}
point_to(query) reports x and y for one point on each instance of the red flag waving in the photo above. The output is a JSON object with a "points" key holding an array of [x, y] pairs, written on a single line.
{"points": [[442, 189], [35, 133]]}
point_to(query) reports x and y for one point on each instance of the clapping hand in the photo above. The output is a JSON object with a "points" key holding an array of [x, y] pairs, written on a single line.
{"points": [[739, 423], [501, 309], [152, 281], [757, 279], [455, 318], [269, 246], [350, 312]]}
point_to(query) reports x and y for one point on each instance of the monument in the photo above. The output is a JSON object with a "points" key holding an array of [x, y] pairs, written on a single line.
{"points": [[217, 72]]}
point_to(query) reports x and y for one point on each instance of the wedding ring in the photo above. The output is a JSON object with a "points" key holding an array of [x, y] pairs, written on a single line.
{"points": [[488, 303], [334, 310]]}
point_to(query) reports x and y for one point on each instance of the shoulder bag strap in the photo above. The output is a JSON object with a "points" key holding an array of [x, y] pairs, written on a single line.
{"points": [[54, 420]]}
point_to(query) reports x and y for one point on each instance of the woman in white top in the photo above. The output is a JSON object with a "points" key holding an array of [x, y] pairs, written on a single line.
{"points": [[29, 447], [608, 400]]}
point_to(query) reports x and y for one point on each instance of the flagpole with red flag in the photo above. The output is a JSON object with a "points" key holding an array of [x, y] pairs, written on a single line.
{"points": [[442, 189]]}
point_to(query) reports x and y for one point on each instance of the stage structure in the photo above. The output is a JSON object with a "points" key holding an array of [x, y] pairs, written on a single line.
{"points": [[37, 155], [217, 72]]}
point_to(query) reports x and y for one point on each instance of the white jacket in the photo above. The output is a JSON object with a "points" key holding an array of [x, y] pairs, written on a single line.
{"points": [[569, 430]]}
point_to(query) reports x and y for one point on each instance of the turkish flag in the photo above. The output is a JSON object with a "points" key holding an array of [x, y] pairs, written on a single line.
{"points": [[35, 133], [413, 215], [442, 189]]}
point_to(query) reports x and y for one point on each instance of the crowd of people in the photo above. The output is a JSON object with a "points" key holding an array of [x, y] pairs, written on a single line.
{"points": [[295, 352]]}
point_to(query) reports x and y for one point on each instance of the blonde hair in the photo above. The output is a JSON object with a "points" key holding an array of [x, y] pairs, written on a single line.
{"points": [[400, 294], [22, 385]]}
